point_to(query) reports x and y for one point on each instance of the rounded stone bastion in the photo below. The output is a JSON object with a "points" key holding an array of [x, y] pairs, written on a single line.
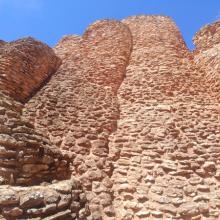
{"points": [[208, 36], [24, 65]]}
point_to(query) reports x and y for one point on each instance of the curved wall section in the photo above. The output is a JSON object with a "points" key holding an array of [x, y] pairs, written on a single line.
{"points": [[24, 66], [78, 108], [164, 165], [207, 56]]}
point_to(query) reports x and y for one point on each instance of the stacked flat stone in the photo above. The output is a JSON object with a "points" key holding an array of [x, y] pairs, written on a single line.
{"points": [[166, 145], [80, 105], [60, 200], [24, 65], [67, 46], [140, 114], [29, 161], [27, 157], [207, 37], [207, 56], [35, 181]]}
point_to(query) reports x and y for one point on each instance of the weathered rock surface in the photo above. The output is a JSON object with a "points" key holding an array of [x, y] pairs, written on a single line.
{"points": [[28, 159], [207, 56], [131, 113], [67, 46]]}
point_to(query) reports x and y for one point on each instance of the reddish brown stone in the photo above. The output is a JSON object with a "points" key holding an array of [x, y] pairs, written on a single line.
{"points": [[24, 66], [135, 115]]}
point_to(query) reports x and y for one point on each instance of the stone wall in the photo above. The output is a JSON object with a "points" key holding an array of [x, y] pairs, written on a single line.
{"points": [[29, 162], [165, 149], [67, 46], [131, 113], [79, 105], [24, 65], [60, 200], [208, 36], [27, 158], [207, 56]]}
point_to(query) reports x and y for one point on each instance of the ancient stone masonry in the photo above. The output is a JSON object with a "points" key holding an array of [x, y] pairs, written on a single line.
{"points": [[80, 106], [66, 46], [207, 56], [165, 149], [126, 128], [27, 158], [61, 200], [24, 65]]}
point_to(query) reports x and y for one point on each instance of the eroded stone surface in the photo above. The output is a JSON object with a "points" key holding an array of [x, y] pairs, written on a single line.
{"points": [[26, 157], [29, 161]]}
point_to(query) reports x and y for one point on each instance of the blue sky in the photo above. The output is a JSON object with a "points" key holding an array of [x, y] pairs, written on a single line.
{"points": [[49, 20]]}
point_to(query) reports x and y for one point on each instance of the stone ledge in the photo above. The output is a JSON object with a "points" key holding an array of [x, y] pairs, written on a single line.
{"points": [[50, 201]]}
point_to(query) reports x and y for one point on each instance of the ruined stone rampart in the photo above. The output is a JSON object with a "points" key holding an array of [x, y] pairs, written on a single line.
{"points": [[80, 105], [28, 165], [127, 128], [207, 56]]}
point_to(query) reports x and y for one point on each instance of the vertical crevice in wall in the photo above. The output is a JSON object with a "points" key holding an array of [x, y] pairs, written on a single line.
{"points": [[112, 155]]}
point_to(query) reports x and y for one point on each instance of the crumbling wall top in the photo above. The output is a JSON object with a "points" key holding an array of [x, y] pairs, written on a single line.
{"points": [[161, 31], [24, 65], [208, 36]]}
